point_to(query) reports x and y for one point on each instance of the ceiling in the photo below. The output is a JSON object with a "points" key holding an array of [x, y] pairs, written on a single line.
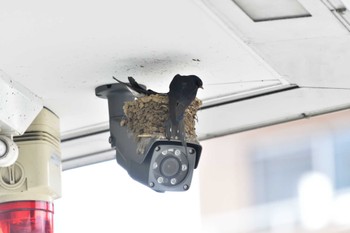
{"points": [[255, 73]]}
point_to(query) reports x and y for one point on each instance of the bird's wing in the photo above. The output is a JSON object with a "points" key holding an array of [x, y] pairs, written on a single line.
{"points": [[136, 92], [126, 84], [136, 86], [141, 89], [180, 111]]}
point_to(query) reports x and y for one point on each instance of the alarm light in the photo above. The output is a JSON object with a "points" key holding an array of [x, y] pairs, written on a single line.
{"points": [[26, 217]]}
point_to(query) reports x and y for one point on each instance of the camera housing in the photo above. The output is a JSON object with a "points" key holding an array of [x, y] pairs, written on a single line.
{"points": [[163, 165]]}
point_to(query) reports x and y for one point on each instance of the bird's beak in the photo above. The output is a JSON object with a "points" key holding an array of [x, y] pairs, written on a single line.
{"points": [[201, 87]]}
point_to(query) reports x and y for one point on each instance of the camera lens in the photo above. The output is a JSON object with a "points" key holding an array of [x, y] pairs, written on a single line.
{"points": [[170, 166]]}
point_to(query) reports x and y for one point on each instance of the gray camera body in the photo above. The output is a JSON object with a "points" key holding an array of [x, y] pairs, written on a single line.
{"points": [[164, 164]]}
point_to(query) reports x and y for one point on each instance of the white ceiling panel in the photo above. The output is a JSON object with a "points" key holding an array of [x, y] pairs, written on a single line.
{"points": [[63, 50], [319, 62], [322, 23]]}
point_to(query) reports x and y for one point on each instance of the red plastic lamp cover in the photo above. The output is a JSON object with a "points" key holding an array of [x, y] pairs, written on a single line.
{"points": [[26, 217]]}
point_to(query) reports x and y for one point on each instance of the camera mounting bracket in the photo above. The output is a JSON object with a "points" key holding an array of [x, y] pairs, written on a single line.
{"points": [[117, 94]]}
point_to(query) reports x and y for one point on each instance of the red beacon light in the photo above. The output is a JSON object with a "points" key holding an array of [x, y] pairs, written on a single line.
{"points": [[26, 217], [30, 160], [30, 185]]}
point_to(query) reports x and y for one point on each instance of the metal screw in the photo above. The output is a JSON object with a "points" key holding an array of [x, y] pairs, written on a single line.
{"points": [[191, 151], [186, 187], [151, 184], [157, 148]]}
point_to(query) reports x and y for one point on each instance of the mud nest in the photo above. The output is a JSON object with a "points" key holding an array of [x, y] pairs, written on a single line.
{"points": [[145, 118]]}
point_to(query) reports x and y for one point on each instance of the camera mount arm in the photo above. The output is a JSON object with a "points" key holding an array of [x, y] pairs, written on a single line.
{"points": [[117, 94]]}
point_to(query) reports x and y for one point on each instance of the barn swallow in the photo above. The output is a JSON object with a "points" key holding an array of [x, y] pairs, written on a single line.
{"points": [[182, 91]]}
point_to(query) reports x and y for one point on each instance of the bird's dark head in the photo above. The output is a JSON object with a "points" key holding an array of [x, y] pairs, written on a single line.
{"points": [[198, 81], [193, 79]]}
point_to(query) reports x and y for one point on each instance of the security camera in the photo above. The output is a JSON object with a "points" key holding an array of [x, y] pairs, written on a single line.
{"points": [[165, 166], [8, 151], [161, 164]]}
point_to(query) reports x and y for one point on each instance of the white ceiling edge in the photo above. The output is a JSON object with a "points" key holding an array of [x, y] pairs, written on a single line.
{"points": [[90, 144], [253, 92], [43, 49], [281, 107], [262, 89], [239, 116]]}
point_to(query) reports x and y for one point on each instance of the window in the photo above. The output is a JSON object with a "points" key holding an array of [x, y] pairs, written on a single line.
{"points": [[277, 169], [342, 160], [277, 172]]}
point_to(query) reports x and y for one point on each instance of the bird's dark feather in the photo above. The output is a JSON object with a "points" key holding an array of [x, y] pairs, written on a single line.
{"points": [[182, 91], [135, 86]]}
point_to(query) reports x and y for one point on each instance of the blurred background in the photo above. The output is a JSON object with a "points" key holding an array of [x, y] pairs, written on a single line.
{"points": [[274, 122], [291, 177]]}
